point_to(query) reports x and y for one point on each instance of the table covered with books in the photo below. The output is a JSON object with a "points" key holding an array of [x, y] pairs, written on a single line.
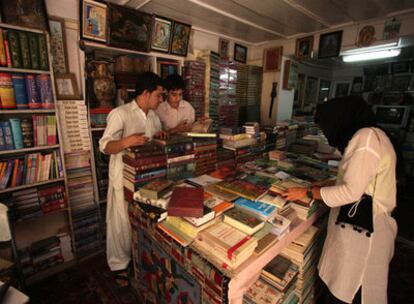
{"points": [[183, 256]]}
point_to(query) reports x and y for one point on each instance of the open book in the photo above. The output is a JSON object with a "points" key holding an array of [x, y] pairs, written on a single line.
{"points": [[200, 128]]}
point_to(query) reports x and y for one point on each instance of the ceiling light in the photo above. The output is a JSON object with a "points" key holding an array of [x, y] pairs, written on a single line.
{"points": [[373, 55]]}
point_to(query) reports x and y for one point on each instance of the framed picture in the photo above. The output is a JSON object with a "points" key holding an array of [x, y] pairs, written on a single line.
{"points": [[180, 38], [272, 59], [240, 53], [356, 88], [304, 47], [161, 34], [58, 45], [324, 89], [28, 13], [93, 24], [401, 83], [129, 28], [290, 75], [341, 88], [391, 29], [223, 49], [67, 87], [330, 45], [311, 90], [400, 67]]}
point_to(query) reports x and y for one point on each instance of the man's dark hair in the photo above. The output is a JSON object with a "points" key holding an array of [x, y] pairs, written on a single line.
{"points": [[174, 82], [147, 81]]}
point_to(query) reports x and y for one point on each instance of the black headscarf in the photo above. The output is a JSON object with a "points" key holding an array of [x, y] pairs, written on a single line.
{"points": [[340, 118]]}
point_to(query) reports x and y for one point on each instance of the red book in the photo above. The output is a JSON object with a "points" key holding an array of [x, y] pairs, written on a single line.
{"points": [[186, 201]]}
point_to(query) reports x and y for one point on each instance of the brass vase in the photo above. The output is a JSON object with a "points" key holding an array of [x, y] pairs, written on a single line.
{"points": [[104, 86]]}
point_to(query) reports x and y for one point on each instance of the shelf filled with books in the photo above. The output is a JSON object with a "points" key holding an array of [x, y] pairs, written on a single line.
{"points": [[33, 180]]}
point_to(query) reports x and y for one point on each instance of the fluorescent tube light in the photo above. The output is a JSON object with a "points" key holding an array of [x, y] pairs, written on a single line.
{"points": [[371, 55]]}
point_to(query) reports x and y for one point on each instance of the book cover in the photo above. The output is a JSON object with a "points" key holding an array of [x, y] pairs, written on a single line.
{"points": [[278, 267], [186, 202], [44, 88], [242, 188], [262, 210], [7, 48], [3, 59], [14, 46], [20, 94], [153, 212], [25, 49], [156, 189], [2, 143], [7, 134], [32, 93], [8, 100], [43, 55], [208, 215], [242, 221], [16, 133], [34, 50]]}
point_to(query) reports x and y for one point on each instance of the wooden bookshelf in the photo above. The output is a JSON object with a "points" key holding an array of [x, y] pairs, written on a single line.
{"points": [[27, 71], [19, 221], [28, 111], [50, 181], [33, 149]]}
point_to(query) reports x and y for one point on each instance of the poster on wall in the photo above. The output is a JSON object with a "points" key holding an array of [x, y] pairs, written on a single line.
{"points": [[28, 13], [58, 45], [93, 20], [180, 38]]}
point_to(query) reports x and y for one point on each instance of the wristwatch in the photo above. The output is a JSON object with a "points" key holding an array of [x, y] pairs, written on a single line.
{"points": [[309, 193]]}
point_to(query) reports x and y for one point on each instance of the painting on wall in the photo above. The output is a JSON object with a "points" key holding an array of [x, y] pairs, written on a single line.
{"points": [[67, 87], [330, 45], [58, 45], [129, 28], [304, 47], [28, 13], [240, 53], [161, 35], [180, 38], [272, 59], [94, 20], [392, 29], [223, 49], [290, 75]]}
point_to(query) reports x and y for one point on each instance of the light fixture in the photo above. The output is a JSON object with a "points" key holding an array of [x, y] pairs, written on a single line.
{"points": [[380, 51]]}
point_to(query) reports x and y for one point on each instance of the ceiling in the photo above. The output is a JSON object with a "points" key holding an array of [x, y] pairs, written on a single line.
{"points": [[258, 21]]}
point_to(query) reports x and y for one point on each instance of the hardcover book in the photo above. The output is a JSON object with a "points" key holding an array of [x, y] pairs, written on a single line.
{"points": [[242, 221], [34, 50], [43, 56], [14, 46], [156, 189], [25, 49], [186, 202]]}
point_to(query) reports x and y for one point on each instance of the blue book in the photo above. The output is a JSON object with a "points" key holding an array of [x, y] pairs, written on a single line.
{"points": [[7, 135], [263, 210], [2, 143], [19, 87], [16, 130]]}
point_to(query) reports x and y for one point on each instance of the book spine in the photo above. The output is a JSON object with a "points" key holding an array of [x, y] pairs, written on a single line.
{"points": [[8, 138], [20, 91], [2, 143], [3, 59], [8, 100], [34, 50], [45, 88], [16, 133], [25, 49], [14, 45], [32, 93], [43, 57], [7, 48]]}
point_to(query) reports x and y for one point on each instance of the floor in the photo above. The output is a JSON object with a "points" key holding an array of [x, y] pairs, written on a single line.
{"points": [[91, 282]]}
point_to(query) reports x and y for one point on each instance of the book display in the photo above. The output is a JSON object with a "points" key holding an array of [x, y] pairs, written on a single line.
{"points": [[33, 180]]}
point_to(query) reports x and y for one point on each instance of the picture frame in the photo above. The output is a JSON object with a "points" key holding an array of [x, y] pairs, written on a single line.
{"points": [[401, 82], [304, 47], [400, 67], [161, 34], [67, 87], [290, 75], [357, 86], [324, 90], [223, 49], [93, 20], [330, 45], [311, 90], [129, 28], [272, 59], [391, 29], [58, 45], [341, 89], [180, 38], [240, 53], [27, 13]]}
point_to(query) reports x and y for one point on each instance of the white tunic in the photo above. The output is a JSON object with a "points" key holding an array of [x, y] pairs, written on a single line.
{"points": [[123, 121], [351, 259], [171, 117]]}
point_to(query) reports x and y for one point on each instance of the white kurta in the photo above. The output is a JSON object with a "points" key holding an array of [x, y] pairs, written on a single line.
{"points": [[171, 117], [351, 259], [123, 121]]}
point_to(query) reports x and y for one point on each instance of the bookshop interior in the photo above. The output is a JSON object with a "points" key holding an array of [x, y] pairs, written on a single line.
{"points": [[214, 151]]}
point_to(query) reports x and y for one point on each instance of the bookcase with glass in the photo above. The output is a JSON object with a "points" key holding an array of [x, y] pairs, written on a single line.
{"points": [[32, 172]]}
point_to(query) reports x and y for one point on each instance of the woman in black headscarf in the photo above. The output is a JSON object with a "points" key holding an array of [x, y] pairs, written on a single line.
{"points": [[354, 263]]}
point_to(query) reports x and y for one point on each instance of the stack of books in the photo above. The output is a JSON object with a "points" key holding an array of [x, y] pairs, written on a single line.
{"points": [[242, 188], [99, 116], [52, 198], [205, 150], [87, 231], [66, 246], [194, 77], [26, 204]]}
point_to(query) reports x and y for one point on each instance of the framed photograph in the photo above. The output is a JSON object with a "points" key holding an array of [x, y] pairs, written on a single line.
{"points": [[28, 13], [240, 53], [324, 89], [67, 87], [400, 67], [272, 59], [356, 88], [391, 29], [161, 34], [129, 28], [58, 45], [290, 75], [223, 48], [311, 91], [330, 45], [180, 38], [341, 88], [93, 23], [401, 83], [304, 47]]}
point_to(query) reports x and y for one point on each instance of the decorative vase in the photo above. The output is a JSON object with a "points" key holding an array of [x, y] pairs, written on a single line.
{"points": [[103, 84]]}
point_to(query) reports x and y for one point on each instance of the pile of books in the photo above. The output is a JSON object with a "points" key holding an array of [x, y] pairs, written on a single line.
{"points": [[205, 150], [194, 78], [66, 246], [87, 231], [99, 116]]}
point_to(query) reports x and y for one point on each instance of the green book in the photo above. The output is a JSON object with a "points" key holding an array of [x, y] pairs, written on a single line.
{"points": [[34, 50], [43, 57], [14, 46], [25, 50]]}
